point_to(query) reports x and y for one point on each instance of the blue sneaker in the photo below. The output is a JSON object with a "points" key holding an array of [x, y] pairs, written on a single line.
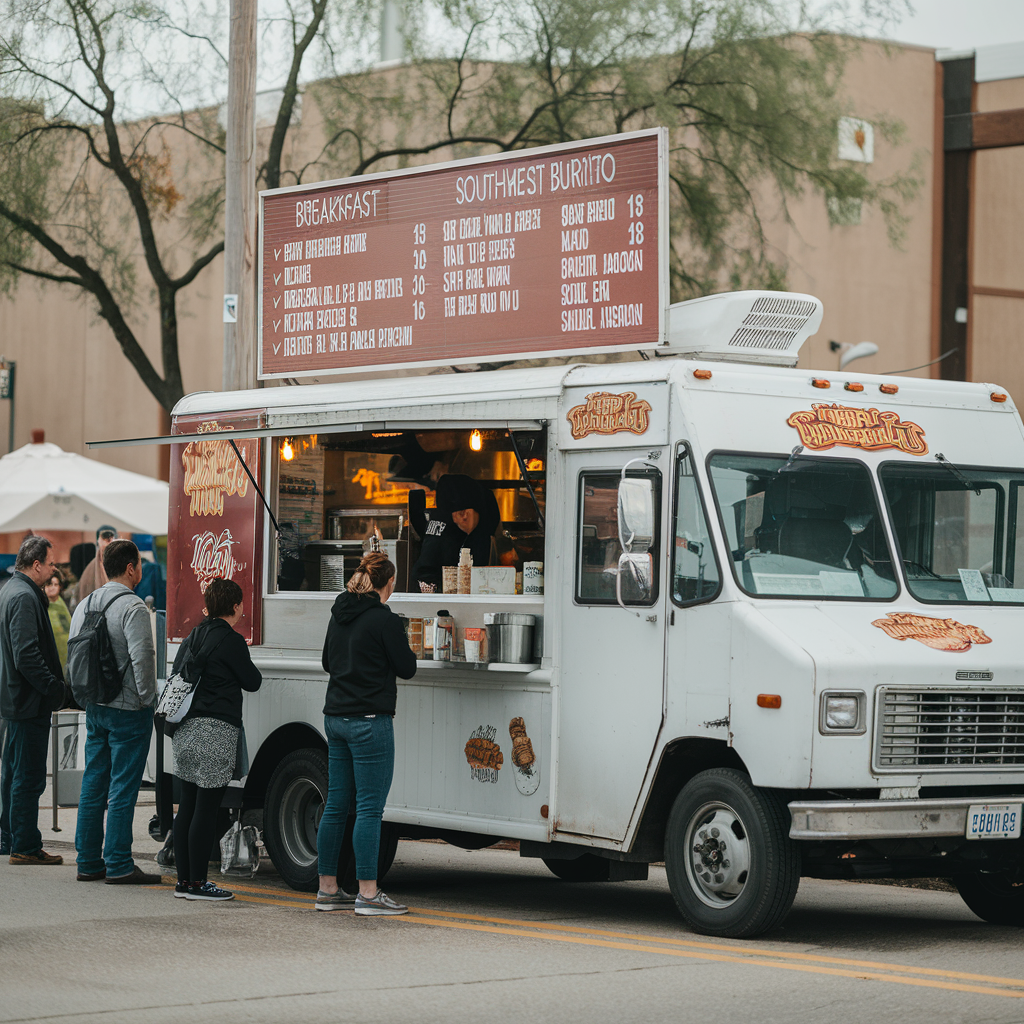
{"points": [[207, 891], [180, 889]]}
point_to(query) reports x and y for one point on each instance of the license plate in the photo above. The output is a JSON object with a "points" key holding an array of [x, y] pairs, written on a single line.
{"points": [[993, 821]]}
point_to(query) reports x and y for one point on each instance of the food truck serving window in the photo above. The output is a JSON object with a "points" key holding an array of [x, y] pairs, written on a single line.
{"points": [[422, 495], [695, 575], [957, 530], [803, 527], [598, 547]]}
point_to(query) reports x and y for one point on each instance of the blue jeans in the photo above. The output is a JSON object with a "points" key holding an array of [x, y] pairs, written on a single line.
{"points": [[361, 757], [24, 780], [116, 746]]}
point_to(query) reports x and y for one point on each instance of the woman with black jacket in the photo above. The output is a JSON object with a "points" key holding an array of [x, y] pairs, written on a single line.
{"points": [[208, 745], [365, 649]]}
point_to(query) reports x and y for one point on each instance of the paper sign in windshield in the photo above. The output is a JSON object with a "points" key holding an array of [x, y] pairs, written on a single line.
{"points": [[826, 426]]}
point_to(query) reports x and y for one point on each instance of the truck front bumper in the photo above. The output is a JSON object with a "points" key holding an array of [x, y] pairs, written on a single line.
{"points": [[884, 819]]}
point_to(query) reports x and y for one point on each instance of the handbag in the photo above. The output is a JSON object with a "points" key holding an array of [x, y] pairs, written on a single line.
{"points": [[239, 851], [176, 698]]}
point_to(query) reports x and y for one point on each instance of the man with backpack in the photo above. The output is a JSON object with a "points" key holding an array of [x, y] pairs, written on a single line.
{"points": [[112, 670], [31, 686]]}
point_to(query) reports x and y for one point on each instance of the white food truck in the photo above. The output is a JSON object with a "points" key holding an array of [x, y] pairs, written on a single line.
{"points": [[777, 634]]}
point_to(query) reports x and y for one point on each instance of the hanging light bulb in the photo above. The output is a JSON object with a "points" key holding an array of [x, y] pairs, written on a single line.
{"points": [[287, 451], [476, 441]]}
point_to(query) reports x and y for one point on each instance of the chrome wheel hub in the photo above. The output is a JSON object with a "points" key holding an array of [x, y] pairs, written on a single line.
{"points": [[717, 854]]}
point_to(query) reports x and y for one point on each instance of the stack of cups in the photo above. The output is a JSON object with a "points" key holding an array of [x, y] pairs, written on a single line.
{"points": [[465, 570]]}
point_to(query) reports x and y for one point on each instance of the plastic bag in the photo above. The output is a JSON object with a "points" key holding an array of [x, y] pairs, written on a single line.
{"points": [[239, 851]]}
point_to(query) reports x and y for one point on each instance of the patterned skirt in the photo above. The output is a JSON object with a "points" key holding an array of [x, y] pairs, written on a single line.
{"points": [[205, 752]]}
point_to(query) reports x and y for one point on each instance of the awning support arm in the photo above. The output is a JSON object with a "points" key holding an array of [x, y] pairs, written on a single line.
{"points": [[525, 475], [266, 504]]}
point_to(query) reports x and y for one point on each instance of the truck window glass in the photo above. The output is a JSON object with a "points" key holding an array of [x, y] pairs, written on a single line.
{"points": [[803, 527], [598, 548], [335, 492], [958, 542], [695, 574]]}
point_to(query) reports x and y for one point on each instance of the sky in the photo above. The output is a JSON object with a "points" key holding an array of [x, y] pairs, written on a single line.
{"points": [[961, 24]]}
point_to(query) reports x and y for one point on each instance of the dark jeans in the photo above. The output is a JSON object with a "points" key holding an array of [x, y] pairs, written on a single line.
{"points": [[5, 794], [361, 757], [195, 829], [25, 780], [116, 746]]}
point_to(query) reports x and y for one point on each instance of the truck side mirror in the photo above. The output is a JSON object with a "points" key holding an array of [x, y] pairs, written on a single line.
{"points": [[636, 515], [640, 569]]}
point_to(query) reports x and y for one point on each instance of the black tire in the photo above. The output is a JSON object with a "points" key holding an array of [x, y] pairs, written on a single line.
{"points": [[291, 817], [587, 868], [749, 868], [292, 811], [996, 897]]}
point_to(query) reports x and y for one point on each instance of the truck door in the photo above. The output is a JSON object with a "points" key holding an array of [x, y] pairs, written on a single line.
{"points": [[611, 663]]}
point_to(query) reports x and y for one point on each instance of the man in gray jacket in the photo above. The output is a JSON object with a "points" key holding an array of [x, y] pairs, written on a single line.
{"points": [[118, 733]]}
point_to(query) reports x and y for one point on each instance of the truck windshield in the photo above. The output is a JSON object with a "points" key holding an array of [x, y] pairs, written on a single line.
{"points": [[957, 531], [803, 527]]}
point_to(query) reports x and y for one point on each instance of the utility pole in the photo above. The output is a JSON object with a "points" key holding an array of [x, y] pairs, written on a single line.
{"points": [[240, 202]]}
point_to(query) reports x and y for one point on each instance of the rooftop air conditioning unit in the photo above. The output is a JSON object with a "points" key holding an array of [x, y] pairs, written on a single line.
{"points": [[744, 327]]}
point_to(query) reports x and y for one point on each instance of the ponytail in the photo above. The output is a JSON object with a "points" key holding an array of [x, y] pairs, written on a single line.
{"points": [[374, 572]]}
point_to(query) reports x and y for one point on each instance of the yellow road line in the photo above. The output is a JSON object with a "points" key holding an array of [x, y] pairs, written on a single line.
{"points": [[718, 957], [743, 950]]}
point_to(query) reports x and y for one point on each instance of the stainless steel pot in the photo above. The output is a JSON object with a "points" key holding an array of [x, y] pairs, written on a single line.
{"points": [[510, 637]]}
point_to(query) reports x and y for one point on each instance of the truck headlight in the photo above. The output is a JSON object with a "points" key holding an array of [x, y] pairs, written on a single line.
{"points": [[842, 711]]}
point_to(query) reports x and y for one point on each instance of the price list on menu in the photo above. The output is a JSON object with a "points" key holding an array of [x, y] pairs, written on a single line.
{"points": [[546, 251]]}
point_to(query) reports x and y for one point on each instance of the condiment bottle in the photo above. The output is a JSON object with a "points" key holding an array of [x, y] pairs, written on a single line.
{"points": [[444, 633], [465, 570]]}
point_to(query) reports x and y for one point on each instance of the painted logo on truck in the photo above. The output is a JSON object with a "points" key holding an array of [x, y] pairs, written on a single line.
{"points": [[211, 471], [605, 413], [825, 426], [939, 634]]}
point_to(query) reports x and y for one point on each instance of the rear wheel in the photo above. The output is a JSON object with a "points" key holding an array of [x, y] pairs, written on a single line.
{"points": [[732, 868], [294, 806], [996, 897], [587, 868]]}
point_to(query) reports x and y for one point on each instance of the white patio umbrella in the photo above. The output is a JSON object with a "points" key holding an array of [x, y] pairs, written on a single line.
{"points": [[43, 487]]}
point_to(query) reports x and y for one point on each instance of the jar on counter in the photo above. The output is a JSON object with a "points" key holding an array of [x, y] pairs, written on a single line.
{"points": [[444, 636]]}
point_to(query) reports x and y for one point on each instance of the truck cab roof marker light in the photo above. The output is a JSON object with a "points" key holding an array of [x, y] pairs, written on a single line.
{"points": [[852, 385], [820, 382], [702, 374], [997, 396], [888, 389], [769, 700]]}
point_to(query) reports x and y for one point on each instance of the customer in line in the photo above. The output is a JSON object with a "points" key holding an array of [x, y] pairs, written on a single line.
{"points": [[93, 575], [60, 617], [365, 649], [209, 745], [118, 733], [31, 687]]}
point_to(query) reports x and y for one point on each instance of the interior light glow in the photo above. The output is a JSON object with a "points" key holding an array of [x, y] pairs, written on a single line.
{"points": [[287, 451], [476, 441]]}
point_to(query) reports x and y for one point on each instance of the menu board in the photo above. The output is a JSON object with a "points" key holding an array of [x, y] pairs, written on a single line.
{"points": [[559, 249], [215, 524]]}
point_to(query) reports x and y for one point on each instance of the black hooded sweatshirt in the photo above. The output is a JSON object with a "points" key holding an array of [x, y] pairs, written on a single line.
{"points": [[365, 649]]}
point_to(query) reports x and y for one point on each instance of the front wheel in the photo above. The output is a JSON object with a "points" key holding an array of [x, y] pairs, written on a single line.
{"points": [[995, 896], [732, 868]]}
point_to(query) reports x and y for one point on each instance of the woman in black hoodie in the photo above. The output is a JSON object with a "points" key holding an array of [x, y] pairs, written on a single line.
{"points": [[365, 650]]}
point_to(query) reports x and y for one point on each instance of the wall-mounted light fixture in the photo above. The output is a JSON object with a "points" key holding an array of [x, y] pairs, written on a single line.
{"points": [[476, 441], [287, 451]]}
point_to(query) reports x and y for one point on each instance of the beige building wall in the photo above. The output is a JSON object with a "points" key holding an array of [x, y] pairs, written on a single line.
{"points": [[74, 383]]}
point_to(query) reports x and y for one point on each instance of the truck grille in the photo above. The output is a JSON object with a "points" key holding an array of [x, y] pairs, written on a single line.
{"points": [[943, 729]]}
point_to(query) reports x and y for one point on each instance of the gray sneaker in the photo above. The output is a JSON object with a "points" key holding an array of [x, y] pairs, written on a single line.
{"points": [[381, 905], [339, 900]]}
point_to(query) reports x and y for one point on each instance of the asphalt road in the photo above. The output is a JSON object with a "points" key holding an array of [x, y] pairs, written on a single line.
{"points": [[492, 938]]}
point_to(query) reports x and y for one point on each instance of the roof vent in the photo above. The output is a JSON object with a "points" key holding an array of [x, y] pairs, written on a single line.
{"points": [[749, 327]]}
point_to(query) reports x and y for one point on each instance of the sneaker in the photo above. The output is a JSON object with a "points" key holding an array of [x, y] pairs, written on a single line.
{"points": [[136, 877], [39, 857], [339, 900], [381, 905], [180, 889], [207, 891]]}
